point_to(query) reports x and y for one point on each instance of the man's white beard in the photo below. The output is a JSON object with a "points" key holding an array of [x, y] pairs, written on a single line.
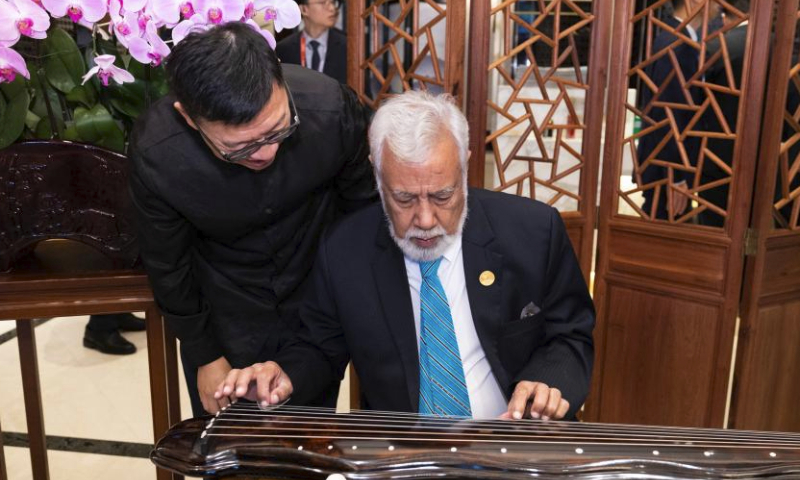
{"points": [[420, 254]]}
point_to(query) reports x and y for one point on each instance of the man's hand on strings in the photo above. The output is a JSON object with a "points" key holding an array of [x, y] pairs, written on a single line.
{"points": [[265, 383], [536, 400]]}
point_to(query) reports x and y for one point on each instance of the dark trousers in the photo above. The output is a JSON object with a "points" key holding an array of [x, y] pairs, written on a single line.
{"points": [[103, 323]]}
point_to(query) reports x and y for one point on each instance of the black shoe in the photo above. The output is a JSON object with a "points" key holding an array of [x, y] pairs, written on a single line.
{"points": [[128, 322], [108, 342]]}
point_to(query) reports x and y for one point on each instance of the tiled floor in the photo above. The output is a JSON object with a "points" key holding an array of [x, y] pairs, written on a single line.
{"points": [[86, 395]]}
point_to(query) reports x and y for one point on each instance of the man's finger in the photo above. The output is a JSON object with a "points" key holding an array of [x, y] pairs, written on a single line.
{"points": [[553, 401], [281, 389], [223, 402], [226, 385], [242, 382], [540, 398], [264, 379], [519, 399], [563, 408]]}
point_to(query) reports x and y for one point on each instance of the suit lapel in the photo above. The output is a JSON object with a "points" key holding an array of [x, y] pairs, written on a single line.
{"points": [[335, 65], [485, 301], [389, 271]]}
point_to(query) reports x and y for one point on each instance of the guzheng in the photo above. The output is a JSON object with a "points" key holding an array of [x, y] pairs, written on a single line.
{"points": [[310, 443]]}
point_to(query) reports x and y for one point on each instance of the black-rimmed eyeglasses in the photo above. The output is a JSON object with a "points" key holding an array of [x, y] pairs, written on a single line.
{"points": [[247, 151]]}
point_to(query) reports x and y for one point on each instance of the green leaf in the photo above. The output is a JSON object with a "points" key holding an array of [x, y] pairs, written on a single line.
{"points": [[3, 106], [98, 127], [83, 94], [71, 132], [39, 106], [32, 120], [11, 90], [64, 65], [12, 123], [128, 98], [43, 130]]}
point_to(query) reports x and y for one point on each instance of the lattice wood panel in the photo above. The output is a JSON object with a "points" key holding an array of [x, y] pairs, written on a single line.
{"points": [[536, 121], [786, 209], [401, 51], [689, 91]]}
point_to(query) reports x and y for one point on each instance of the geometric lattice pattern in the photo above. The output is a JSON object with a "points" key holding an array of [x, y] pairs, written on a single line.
{"points": [[786, 209], [401, 52], [536, 116], [681, 134]]}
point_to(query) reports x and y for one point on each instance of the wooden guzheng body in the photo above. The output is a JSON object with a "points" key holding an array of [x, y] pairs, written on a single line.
{"points": [[307, 443]]}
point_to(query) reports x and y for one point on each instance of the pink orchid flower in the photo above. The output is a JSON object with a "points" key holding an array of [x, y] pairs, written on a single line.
{"points": [[264, 33], [133, 5], [249, 10], [197, 23], [283, 13], [79, 11], [22, 17], [105, 69], [172, 11], [150, 49], [11, 65], [124, 25], [220, 11]]}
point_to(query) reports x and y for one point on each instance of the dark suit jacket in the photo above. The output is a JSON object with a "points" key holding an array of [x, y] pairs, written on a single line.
{"points": [[658, 71], [288, 51], [228, 250], [359, 306], [736, 44]]}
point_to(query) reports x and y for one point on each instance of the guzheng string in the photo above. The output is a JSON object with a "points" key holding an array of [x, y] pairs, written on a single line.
{"points": [[325, 423]]}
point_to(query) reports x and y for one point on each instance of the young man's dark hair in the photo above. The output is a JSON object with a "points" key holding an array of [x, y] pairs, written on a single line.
{"points": [[225, 74]]}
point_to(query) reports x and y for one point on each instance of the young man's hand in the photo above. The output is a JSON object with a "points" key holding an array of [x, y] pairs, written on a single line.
{"points": [[208, 377]]}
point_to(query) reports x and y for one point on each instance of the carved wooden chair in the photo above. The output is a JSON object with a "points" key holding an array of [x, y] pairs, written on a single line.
{"points": [[76, 197]]}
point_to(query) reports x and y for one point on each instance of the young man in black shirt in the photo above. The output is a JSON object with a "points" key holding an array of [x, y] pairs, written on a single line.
{"points": [[235, 175]]}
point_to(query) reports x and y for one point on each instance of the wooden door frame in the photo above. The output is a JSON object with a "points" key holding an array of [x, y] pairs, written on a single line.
{"points": [[455, 34], [732, 237], [765, 236], [476, 111]]}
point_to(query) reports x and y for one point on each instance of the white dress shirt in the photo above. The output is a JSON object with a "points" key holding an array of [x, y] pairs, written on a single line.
{"points": [[485, 396], [322, 48]]}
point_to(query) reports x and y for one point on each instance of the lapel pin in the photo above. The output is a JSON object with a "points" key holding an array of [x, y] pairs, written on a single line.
{"points": [[486, 278]]}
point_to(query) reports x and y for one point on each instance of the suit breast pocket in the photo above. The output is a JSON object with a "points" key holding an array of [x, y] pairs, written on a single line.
{"points": [[518, 339]]}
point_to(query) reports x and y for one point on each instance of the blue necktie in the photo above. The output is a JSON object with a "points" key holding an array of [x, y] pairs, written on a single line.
{"points": [[442, 385]]}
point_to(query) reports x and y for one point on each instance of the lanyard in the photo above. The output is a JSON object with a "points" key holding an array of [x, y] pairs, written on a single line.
{"points": [[303, 50]]}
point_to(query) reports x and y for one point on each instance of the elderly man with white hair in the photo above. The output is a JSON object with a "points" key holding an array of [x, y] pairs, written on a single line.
{"points": [[449, 300]]}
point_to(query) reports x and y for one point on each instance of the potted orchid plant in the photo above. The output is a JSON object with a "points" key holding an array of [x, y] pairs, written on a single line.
{"points": [[83, 70]]}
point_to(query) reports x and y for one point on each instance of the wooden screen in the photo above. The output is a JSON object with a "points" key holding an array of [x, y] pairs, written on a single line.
{"points": [[677, 184], [398, 45], [535, 111], [766, 391]]}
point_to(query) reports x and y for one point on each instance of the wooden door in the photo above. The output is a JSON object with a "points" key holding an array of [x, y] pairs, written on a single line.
{"points": [[667, 288], [535, 104], [766, 392], [399, 45]]}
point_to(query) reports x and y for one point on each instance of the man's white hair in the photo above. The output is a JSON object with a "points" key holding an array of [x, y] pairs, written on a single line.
{"points": [[412, 123]]}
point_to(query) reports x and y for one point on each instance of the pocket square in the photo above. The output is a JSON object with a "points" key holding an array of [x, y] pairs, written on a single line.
{"points": [[529, 310]]}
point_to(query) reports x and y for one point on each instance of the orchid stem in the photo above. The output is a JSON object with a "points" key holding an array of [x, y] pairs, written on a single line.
{"points": [[39, 74]]}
